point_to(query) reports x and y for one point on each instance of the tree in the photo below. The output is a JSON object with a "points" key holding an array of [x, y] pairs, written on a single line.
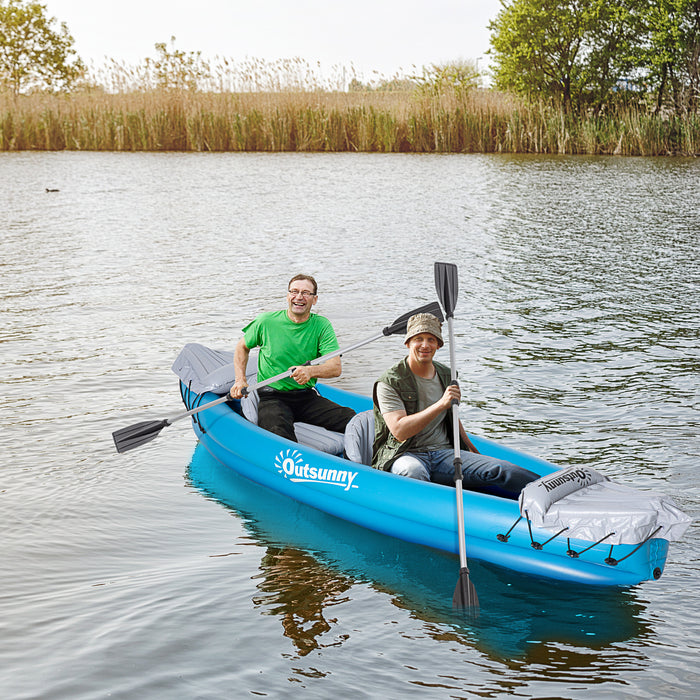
{"points": [[34, 54], [574, 51], [535, 47], [455, 76], [672, 55], [611, 60], [174, 69]]}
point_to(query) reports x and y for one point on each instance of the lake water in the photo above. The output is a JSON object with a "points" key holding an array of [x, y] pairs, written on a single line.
{"points": [[578, 339]]}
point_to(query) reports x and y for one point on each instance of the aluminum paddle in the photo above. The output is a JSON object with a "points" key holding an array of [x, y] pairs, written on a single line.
{"points": [[446, 285], [134, 436]]}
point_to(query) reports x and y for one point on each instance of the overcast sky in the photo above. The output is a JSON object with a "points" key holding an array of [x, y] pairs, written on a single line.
{"points": [[387, 36]]}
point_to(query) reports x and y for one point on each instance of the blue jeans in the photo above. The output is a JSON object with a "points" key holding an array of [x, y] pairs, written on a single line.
{"points": [[479, 472]]}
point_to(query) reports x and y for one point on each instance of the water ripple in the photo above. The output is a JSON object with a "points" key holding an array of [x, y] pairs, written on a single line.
{"points": [[577, 327]]}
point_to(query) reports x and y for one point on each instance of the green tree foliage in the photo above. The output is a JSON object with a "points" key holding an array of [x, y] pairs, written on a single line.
{"points": [[611, 51], [535, 47], [455, 76], [589, 53], [672, 54], [34, 54], [174, 69], [574, 51]]}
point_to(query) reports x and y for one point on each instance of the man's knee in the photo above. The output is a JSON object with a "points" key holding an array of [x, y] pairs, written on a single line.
{"points": [[344, 416], [276, 418], [330, 415], [409, 466], [496, 477]]}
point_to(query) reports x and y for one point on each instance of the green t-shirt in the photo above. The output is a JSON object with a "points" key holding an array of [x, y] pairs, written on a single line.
{"points": [[284, 344]]}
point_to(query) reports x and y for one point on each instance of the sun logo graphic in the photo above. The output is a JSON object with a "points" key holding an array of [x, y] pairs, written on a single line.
{"points": [[291, 465], [287, 462]]}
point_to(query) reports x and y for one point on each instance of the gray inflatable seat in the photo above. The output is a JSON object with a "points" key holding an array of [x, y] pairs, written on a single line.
{"points": [[204, 369]]}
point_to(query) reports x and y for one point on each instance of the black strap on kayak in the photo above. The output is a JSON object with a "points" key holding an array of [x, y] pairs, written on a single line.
{"points": [[540, 545], [192, 400], [575, 555], [615, 562], [504, 538], [533, 544], [610, 560]]}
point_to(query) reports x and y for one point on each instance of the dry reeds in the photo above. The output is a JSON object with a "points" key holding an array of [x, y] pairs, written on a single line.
{"points": [[477, 121]]}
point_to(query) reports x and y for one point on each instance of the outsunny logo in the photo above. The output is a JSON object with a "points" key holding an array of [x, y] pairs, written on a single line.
{"points": [[290, 464], [580, 476]]}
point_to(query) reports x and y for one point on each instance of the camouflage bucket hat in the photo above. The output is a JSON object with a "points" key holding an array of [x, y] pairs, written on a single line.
{"points": [[424, 323]]}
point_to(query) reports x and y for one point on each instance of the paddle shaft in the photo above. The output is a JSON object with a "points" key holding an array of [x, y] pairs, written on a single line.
{"points": [[399, 325], [317, 361], [446, 284], [272, 380], [139, 434], [457, 451]]}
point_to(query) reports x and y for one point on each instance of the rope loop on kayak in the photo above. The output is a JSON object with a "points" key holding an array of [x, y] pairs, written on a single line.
{"points": [[610, 560], [182, 393], [537, 545], [196, 416], [533, 544], [187, 395], [614, 562]]}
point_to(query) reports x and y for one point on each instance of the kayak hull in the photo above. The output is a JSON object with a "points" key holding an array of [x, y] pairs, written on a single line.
{"points": [[418, 512]]}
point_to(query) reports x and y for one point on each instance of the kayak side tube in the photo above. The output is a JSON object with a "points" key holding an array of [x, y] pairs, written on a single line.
{"points": [[419, 512]]}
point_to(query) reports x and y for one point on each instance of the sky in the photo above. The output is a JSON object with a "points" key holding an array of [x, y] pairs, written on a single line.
{"points": [[386, 36]]}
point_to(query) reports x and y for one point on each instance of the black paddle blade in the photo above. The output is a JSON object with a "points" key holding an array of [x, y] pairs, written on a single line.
{"points": [[446, 286], [137, 435], [399, 325], [465, 596]]}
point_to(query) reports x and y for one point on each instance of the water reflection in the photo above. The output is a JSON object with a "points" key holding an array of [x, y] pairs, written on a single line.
{"points": [[314, 561], [299, 588]]}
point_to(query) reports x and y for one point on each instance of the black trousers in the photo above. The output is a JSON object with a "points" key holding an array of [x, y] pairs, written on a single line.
{"points": [[279, 410]]}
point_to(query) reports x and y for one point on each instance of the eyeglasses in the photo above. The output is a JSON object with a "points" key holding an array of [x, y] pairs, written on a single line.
{"points": [[304, 292]]}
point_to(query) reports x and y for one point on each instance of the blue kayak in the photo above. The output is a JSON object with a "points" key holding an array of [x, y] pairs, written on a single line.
{"points": [[414, 511]]}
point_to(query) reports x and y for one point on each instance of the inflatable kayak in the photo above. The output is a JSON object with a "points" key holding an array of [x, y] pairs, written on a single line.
{"points": [[571, 524]]}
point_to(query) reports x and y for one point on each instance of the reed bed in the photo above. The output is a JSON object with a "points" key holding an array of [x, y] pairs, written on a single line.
{"points": [[477, 121]]}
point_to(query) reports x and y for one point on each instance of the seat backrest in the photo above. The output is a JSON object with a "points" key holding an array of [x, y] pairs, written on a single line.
{"points": [[202, 369], [359, 437]]}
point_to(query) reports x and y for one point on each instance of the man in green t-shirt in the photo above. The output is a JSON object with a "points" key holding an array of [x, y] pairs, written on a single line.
{"points": [[289, 338]]}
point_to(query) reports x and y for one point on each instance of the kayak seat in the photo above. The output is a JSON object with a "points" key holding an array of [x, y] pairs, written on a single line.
{"points": [[359, 437], [320, 438], [203, 369], [310, 435]]}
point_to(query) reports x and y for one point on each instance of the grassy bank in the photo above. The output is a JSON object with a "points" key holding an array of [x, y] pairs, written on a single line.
{"points": [[477, 122]]}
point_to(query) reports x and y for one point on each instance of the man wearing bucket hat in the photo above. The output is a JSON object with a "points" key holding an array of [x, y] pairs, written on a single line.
{"points": [[413, 421]]}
